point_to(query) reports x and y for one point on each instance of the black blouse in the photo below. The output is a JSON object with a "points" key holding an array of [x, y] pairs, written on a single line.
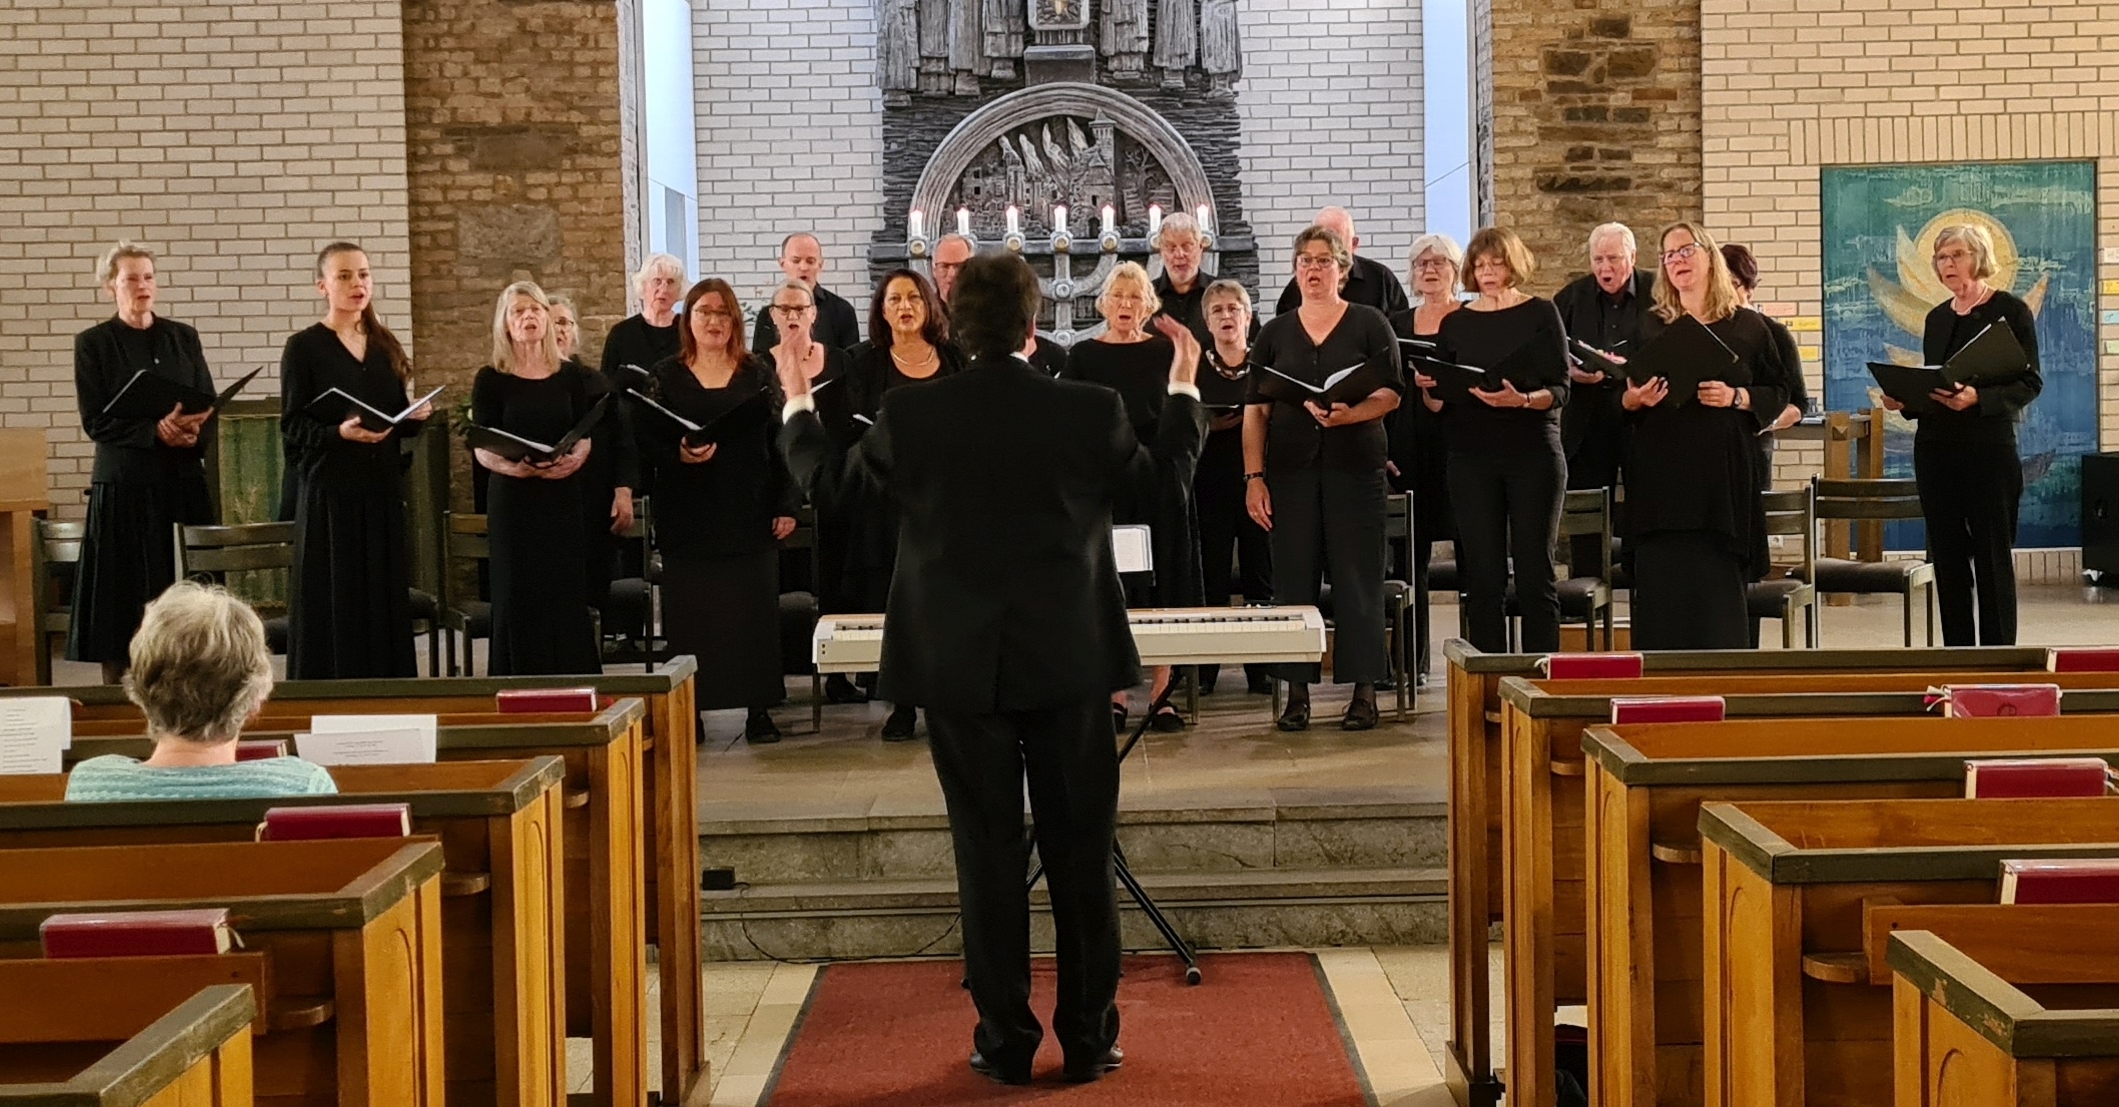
{"points": [[1138, 371], [545, 409], [873, 373], [315, 361], [1294, 440], [1487, 338], [636, 342], [1992, 420], [726, 504], [105, 357]]}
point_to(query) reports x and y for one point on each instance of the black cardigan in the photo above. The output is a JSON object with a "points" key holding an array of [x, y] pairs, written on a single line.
{"points": [[127, 449]]}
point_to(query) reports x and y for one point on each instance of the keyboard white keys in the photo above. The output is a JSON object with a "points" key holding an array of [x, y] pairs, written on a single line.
{"points": [[1164, 636]]}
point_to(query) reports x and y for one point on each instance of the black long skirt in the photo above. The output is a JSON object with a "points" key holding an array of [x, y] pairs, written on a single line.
{"points": [[1688, 593], [127, 559], [540, 599], [725, 611], [349, 615]]}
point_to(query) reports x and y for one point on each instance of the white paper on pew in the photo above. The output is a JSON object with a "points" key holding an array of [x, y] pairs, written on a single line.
{"points": [[423, 725], [35, 733], [1132, 546], [400, 746]]}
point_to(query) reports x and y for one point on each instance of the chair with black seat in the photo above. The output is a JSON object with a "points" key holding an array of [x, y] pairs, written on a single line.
{"points": [[1584, 597], [470, 618], [58, 556], [1400, 619], [798, 614], [211, 554], [627, 624], [1872, 499], [1789, 512]]}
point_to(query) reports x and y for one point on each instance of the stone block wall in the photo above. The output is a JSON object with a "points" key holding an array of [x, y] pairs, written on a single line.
{"points": [[1596, 118], [234, 139]]}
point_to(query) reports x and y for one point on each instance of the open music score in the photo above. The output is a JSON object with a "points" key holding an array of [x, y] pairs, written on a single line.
{"points": [[1164, 636]]}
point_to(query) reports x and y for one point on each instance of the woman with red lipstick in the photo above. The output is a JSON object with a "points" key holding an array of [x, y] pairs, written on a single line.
{"points": [[349, 613], [1696, 529]]}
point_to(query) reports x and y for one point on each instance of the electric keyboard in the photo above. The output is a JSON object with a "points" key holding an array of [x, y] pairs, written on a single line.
{"points": [[1164, 636]]}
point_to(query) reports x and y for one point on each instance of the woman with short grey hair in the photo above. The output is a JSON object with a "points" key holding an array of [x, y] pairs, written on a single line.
{"points": [[1419, 435]]}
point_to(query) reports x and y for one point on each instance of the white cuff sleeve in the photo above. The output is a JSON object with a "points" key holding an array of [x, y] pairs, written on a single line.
{"points": [[1179, 389], [804, 402]]}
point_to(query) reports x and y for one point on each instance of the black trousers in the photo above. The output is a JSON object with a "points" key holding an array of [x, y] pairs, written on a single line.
{"points": [[1327, 520], [1969, 494], [1225, 525], [1072, 766], [1508, 506], [1595, 464], [1688, 593]]}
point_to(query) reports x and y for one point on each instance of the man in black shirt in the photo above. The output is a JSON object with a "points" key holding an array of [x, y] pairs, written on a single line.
{"points": [[837, 326], [1182, 288], [1603, 309], [1370, 282]]}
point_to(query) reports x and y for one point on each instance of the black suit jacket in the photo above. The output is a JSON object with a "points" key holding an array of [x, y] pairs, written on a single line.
{"points": [[1006, 595]]}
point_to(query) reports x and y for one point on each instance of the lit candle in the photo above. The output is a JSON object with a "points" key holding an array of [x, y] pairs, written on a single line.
{"points": [[1015, 221], [1110, 219], [1059, 218], [1205, 225], [913, 224], [1155, 220], [963, 222]]}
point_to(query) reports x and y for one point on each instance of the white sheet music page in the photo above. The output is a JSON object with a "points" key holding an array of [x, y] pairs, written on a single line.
{"points": [[35, 733], [1132, 546]]}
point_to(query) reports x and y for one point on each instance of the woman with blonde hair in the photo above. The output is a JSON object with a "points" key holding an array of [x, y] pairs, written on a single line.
{"points": [[536, 519], [1132, 360], [1964, 455], [148, 472], [1695, 526]]}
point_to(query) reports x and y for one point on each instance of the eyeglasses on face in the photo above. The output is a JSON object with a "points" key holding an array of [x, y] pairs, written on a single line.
{"points": [[1432, 263], [1682, 252], [1315, 261], [790, 309], [711, 313]]}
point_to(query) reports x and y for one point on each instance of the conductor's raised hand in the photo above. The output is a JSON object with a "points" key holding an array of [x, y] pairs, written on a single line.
{"points": [[696, 455], [352, 431], [1184, 360], [1646, 394], [1258, 502], [787, 365]]}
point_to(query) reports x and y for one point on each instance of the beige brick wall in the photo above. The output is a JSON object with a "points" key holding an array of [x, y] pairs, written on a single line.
{"points": [[234, 139], [1790, 87]]}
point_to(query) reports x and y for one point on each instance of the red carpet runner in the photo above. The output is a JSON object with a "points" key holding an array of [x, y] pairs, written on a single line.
{"points": [[1259, 1031]]}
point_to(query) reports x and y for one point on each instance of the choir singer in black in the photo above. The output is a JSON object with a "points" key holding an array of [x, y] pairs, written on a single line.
{"points": [[1603, 309], [1964, 456], [1314, 470], [1008, 623], [1419, 435], [1695, 526]]}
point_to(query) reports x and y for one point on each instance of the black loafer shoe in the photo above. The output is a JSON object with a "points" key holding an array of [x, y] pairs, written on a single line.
{"points": [[992, 1072], [1168, 721], [838, 689], [1095, 1070], [1360, 715], [899, 727], [759, 730], [1296, 716]]}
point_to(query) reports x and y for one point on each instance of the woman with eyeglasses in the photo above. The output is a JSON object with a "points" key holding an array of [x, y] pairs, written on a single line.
{"points": [[1507, 474], [723, 506], [1964, 455], [1228, 537], [1314, 473], [1695, 527], [1419, 435], [1133, 361]]}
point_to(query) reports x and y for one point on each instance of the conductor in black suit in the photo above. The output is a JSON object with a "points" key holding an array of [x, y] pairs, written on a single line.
{"points": [[1007, 621]]}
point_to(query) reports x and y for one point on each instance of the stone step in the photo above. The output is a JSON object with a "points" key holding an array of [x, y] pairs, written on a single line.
{"points": [[1213, 910], [1246, 837]]}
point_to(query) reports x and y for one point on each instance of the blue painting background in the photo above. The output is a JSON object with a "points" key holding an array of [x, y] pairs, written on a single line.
{"points": [[2049, 209]]}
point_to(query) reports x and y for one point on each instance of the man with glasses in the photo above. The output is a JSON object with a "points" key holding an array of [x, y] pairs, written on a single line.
{"points": [[1604, 310], [836, 326], [1369, 282], [951, 251]]}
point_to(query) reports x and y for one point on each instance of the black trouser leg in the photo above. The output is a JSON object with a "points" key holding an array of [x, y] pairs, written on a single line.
{"points": [[1969, 496], [1298, 552], [1073, 771], [1353, 507], [1536, 486], [1225, 526], [1476, 492], [1508, 504], [1254, 560]]}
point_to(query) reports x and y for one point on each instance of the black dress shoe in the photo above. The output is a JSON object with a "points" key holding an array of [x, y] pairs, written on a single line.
{"points": [[1095, 1070], [899, 727], [759, 730], [993, 1072], [1296, 716], [838, 689], [1167, 720], [1360, 715]]}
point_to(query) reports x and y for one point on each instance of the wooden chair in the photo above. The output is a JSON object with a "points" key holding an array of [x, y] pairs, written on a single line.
{"points": [[58, 555], [1584, 511], [211, 553], [1789, 512], [469, 619], [1874, 498]]}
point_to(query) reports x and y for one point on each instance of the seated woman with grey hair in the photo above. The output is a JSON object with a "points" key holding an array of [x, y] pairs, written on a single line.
{"points": [[200, 670]]}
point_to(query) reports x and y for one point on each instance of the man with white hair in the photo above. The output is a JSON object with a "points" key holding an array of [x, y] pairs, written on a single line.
{"points": [[951, 251], [1604, 310], [1370, 282], [837, 326]]}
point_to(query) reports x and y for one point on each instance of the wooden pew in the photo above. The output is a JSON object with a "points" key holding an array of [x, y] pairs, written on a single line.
{"points": [[1545, 892], [1475, 799], [606, 957], [670, 829], [1793, 891], [342, 939], [103, 1034], [1981, 1016], [502, 886], [1645, 787]]}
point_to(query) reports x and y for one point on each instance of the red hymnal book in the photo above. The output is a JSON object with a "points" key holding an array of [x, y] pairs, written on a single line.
{"points": [[2084, 661], [1667, 709], [138, 934], [2061, 880], [353, 820], [537, 701], [1985, 701], [1593, 666], [261, 750], [2036, 778]]}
